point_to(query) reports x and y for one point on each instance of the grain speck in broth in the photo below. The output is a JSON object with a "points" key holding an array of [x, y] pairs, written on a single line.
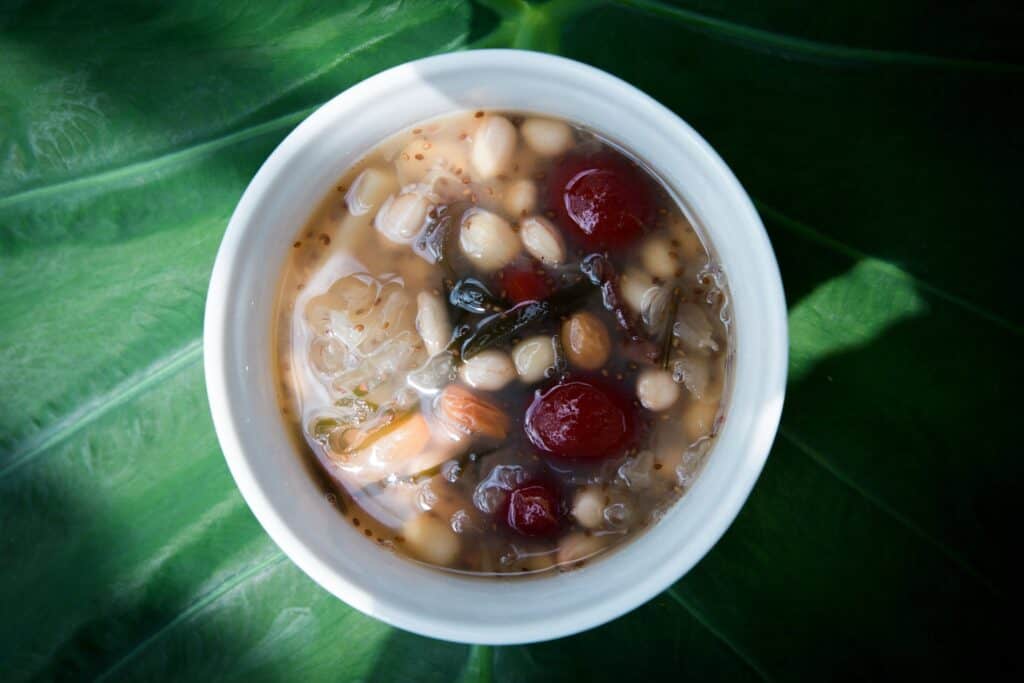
{"points": [[451, 458]]}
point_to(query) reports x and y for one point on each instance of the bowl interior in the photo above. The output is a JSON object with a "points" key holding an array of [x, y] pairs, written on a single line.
{"points": [[273, 478]]}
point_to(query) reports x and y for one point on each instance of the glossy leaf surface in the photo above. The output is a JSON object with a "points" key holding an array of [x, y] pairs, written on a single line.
{"points": [[882, 146]]}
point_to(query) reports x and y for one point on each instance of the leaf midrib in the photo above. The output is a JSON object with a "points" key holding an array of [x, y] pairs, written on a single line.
{"points": [[699, 617], [819, 459], [88, 412], [132, 171], [193, 608]]}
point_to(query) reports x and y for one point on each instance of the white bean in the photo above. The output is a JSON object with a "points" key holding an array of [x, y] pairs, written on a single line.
{"points": [[401, 218], [660, 258], [699, 419], [532, 358], [432, 322], [542, 240], [689, 241], [520, 197], [488, 370], [368, 190], [577, 546], [494, 144], [431, 539], [634, 284], [546, 137], [656, 389], [588, 508], [487, 239], [586, 341]]}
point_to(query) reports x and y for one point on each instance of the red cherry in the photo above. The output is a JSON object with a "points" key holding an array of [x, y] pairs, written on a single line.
{"points": [[532, 510], [581, 418], [523, 283], [602, 200]]}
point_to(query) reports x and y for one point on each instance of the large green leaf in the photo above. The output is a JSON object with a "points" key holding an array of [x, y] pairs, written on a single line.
{"points": [[882, 145]]}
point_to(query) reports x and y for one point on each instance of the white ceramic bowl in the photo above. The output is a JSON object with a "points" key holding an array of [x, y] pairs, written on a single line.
{"points": [[273, 478]]}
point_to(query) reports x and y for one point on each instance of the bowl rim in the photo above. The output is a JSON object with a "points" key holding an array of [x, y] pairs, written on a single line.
{"points": [[220, 300]]}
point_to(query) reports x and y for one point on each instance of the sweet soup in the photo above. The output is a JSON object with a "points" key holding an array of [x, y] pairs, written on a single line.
{"points": [[502, 344]]}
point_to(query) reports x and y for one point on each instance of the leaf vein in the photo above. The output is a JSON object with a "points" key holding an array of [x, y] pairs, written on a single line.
{"points": [[194, 608], [98, 406], [819, 459], [803, 47], [673, 592], [130, 173], [807, 232]]}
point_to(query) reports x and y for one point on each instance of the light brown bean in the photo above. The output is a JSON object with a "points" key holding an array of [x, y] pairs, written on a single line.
{"points": [[586, 341], [520, 197], [431, 539], [699, 419]]}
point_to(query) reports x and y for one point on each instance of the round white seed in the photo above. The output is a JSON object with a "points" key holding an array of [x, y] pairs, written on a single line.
{"points": [[431, 539], [432, 322], [546, 137], [588, 508], [494, 144], [542, 240], [660, 258], [689, 241], [656, 389], [401, 218], [520, 197], [487, 239], [586, 341], [532, 358], [634, 285], [488, 370]]}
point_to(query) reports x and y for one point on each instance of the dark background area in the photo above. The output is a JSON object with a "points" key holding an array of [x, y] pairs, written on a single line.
{"points": [[881, 143]]}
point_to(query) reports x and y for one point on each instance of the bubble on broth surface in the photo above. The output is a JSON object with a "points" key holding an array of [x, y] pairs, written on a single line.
{"points": [[492, 491]]}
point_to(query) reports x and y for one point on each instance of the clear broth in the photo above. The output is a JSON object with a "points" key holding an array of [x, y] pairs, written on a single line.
{"points": [[443, 504]]}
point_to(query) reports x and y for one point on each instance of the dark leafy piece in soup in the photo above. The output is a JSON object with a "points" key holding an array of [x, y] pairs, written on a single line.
{"points": [[503, 344]]}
